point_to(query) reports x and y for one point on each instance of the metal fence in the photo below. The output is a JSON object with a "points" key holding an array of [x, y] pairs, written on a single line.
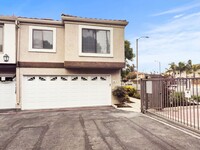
{"points": [[176, 99]]}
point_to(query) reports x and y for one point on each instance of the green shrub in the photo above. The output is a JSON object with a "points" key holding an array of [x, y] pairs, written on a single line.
{"points": [[132, 92], [196, 98], [137, 95], [177, 99], [121, 94]]}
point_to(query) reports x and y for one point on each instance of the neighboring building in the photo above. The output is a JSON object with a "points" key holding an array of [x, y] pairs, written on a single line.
{"points": [[186, 75], [147, 76], [141, 75], [7, 62], [74, 62]]}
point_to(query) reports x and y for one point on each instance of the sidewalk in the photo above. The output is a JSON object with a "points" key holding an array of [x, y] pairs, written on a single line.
{"points": [[135, 106]]}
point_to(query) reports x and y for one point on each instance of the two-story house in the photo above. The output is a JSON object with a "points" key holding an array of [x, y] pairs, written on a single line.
{"points": [[74, 62], [7, 62]]}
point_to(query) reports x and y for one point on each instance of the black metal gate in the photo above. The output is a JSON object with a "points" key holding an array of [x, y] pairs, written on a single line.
{"points": [[176, 99]]}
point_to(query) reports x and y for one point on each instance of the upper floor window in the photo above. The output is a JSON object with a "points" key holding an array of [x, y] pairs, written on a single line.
{"points": [[1, 38], [96, 41], [42, 39]]}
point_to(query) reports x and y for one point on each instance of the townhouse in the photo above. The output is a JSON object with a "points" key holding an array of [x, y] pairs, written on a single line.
{"points": [[45, 64], [7, 62]]}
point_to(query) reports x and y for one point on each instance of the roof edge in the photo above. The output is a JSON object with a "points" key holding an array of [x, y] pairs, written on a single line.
{"points": [[93, 20], [8, 18], [39, 21], [66, 18]]}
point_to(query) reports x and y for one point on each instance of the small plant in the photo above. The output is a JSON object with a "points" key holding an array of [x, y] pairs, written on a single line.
{"points": [[177, 99], [121, 94], [137, 95], [196, 98], [132, 92]]}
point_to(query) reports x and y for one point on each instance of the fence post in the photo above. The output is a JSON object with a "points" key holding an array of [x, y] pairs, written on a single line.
{"points": [[142, 95]]}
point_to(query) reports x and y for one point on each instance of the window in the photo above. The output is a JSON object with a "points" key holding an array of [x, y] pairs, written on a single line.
{"points": [[42, 39], [1, 39], [95, 41]]}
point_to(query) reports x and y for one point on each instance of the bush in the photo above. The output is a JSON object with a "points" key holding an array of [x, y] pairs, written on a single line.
{"points": [[132, 92], [177, 99], [137, 95], [196, 98], [121, 94]]}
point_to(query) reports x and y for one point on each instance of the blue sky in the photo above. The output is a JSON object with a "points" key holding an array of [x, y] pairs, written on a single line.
{"points": [[172, 25]]}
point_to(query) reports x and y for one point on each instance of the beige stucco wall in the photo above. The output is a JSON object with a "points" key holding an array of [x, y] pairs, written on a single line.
{"points": [[67, 49], [72, 44], [115, 76], [67, 45], [25, 55]]}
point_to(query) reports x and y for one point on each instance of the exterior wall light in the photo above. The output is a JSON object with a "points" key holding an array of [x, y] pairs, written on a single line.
{"points": [[6, 58]]}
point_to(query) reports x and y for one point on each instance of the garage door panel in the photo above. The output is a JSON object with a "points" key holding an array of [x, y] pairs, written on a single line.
{"points": [[7, 95], [65, 91]]}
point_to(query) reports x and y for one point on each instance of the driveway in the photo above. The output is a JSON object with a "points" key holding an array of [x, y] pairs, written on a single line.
{"points": [[89, 129]]}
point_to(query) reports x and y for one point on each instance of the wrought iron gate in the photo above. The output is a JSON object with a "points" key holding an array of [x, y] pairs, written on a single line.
{"points": [[176, 99]]}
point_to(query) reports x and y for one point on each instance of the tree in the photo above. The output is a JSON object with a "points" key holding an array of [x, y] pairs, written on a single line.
{"points": [[127, 70], [168, 72], [128, 56], [131, 75], [192, 68], [130, 68], [181, 67], [195, 68], [128, 50], [188, 68], [173, 68]]}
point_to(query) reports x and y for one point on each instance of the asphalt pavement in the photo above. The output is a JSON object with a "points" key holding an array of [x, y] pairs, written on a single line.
{"points": [[101, 128]]}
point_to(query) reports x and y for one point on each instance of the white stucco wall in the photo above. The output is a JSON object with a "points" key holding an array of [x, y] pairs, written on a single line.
{"points": [[9, 43]]}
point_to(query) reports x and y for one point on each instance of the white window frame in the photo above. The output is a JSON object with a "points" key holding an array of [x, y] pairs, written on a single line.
{"points": [[31, 49], [95, 54], [1, 26]]}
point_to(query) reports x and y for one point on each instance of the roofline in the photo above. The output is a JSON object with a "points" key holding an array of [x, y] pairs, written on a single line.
{"points": [[93, 20], [65, 18], [8, 18], [39, 21]]}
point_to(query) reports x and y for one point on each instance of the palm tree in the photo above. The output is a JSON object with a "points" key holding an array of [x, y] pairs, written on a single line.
{"points": [[168, 71], [195, 68], [188, 67], [181, 67], [173, 68]]}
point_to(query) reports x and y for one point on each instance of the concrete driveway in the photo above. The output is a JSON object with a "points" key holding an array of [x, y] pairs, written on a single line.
{"points": [[87, 129]]}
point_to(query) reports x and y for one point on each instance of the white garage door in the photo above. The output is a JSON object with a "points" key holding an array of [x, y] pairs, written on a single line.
{"points": [[7, 95], [43, 92]]}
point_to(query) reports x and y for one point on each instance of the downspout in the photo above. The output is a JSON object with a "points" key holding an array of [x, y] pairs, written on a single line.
{"points": [[17, 64]]}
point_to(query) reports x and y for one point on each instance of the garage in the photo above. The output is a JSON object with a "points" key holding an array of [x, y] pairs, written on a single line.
{"points": [[46, 92], [7, 93]]}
